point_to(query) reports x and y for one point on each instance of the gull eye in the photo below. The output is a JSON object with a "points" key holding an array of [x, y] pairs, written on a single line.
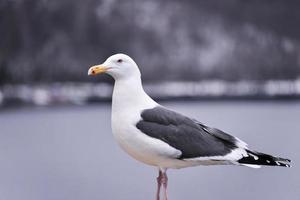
{"points": [[120, 60]]}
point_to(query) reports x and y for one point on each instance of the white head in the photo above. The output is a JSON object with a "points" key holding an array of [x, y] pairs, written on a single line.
{"points": [[119, 66]]}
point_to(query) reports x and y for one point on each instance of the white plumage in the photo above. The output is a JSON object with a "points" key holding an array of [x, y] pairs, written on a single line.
{"points": [[157, 136]]}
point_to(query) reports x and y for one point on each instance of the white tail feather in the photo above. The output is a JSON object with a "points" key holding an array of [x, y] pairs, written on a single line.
{"points": [[252, 166]]}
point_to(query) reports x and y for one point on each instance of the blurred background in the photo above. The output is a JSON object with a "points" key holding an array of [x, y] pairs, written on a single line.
{"points": [[202, 48], [231, 64]]}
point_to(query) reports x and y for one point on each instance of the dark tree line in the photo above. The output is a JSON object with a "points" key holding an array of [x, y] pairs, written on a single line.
{"points": [[56, 41]]}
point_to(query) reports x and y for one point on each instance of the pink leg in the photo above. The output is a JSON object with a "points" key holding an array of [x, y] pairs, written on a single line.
{"points": [[165, 184], [159, 181]]}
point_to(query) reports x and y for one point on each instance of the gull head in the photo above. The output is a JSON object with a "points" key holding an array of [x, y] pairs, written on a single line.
{"points": [[119, 66]]}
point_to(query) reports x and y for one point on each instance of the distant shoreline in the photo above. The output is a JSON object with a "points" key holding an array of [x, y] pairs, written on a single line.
{"points": [[85, 93]]}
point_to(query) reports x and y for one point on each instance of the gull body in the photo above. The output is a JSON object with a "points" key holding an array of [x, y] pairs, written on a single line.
{"points": [[156, 136], [128, 101], [127, 105]]}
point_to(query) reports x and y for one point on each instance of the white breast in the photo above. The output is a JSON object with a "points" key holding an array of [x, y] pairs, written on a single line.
{"points": [[126, 110]]}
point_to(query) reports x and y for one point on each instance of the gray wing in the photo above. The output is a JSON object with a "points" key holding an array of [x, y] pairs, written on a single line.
{"points": [[192, 138]]}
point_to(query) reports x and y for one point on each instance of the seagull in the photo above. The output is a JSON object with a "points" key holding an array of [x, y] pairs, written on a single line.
{"points": [[160, 137]]}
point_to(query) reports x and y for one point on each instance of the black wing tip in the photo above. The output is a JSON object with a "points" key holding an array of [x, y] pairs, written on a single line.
{"points": [[283, 162], [257, 158]]}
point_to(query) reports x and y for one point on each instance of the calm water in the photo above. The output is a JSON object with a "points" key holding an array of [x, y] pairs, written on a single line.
{"points": [[69, 153]]}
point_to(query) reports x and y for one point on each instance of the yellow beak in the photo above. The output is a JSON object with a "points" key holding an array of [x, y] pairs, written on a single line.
{"points": [[97, 69]]}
